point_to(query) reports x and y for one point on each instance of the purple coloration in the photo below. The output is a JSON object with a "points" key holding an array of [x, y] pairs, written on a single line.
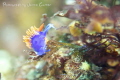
{"points": [[38, 41]]}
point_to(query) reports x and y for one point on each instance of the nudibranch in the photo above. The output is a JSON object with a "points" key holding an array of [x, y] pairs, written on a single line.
{"points": [[36, 39]]}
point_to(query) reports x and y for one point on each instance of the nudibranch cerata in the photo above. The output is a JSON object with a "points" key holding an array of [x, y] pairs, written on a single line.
{"points": [[36, 39]]}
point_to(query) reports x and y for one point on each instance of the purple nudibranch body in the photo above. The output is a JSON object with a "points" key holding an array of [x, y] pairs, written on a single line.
{"points": [[35, 39], [38, 41]]}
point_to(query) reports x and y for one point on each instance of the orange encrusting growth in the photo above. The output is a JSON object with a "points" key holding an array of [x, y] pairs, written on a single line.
{"points": [[30, 32]]}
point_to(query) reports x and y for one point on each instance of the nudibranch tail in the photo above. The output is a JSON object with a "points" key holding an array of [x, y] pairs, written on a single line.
{"points": [[48, 27]]}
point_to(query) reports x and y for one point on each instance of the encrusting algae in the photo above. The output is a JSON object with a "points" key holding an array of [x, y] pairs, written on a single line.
{"points": [[74, 30], [90, 53]]}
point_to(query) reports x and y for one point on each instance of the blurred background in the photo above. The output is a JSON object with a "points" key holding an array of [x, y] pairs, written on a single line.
{"points": [[16, 16]]}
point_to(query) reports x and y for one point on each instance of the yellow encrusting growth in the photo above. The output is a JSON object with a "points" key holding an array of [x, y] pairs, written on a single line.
{"points": [[94, 26], [75, 31], [112, 62], [85, 66]]}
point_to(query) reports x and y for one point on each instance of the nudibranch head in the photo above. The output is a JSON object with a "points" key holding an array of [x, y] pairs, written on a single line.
{"points": [[35, 38]]}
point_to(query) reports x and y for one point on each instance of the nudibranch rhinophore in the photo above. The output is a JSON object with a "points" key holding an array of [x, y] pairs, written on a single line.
{"points": [[35, 38]]}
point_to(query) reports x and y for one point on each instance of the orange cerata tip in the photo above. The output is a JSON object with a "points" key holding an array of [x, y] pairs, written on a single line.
{"points": [[41, 27]]}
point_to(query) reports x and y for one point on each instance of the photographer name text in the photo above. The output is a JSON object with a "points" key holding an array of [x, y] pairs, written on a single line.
{"points": [[41, 4]]}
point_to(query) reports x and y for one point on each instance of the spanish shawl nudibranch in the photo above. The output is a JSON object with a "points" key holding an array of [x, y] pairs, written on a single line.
{"points": [[36, 39]]}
